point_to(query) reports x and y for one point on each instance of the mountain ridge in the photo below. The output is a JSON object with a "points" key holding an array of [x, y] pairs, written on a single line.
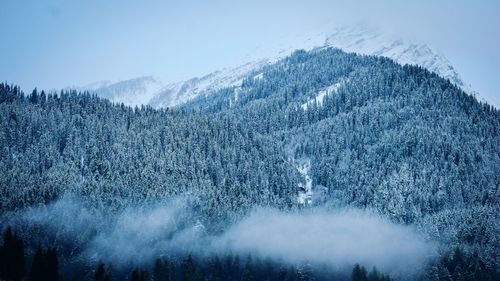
{"points": [[358, 39]]}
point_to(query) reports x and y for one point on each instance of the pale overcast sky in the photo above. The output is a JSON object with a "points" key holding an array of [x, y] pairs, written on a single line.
{"points": [[56, 43]]}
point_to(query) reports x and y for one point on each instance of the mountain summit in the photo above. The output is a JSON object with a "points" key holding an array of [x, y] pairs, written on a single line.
{"points": [[358, 39]]}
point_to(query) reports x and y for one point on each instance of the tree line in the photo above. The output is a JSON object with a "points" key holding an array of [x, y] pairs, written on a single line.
{"points": [[45, 266]]}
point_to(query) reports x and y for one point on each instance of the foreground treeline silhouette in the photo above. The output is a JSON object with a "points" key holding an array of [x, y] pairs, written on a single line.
{"points": [[359, 273], [459, 265], [12, 263], [230, 267], [44, 266]]}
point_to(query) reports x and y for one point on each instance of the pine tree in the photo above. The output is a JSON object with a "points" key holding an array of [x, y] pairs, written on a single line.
{"points": [[374, 275], [52, 263], [358, 273], [291, 274], [216, 273], [247, 274], [100, 272], [135, 276], [38, 266], [162, 270], [189, 271], [12, 265]]}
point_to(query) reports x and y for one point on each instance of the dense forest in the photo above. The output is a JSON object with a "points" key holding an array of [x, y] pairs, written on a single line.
{"points": [[396, 139], [338, 129], [115, 155]]}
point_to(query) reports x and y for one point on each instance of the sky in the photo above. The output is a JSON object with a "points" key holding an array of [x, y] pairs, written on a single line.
{"points": [[54, 44]]}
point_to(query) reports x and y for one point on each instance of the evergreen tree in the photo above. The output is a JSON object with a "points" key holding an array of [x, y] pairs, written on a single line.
{"points": [[52, 263], [100, 272], [135, 276], [189, 271], [358, 273], [38, 266], [138, 275], [162, 270], [305, 273], [216, 271], [45, 265], [291, 274], [248, 271], [12, 265]]}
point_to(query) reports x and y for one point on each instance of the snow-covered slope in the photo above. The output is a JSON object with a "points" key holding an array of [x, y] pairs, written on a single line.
{"points": [[180, 92], [358, 39], [318, 99], [132, 92], [363, 40]]}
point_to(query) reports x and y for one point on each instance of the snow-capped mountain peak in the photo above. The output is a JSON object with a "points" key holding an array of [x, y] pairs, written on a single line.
{"points": [[364, 40], [357, 39], [133, 92]]}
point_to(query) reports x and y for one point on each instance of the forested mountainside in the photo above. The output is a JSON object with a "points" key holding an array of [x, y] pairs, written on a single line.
{"points": [[398, 139], [319, 128], [118, 156]]}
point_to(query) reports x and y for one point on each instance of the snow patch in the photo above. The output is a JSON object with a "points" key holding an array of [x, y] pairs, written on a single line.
{"points": [[259, 76], [318, 99]]}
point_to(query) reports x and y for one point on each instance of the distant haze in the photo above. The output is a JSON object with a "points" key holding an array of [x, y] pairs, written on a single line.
{"points": [[54, 44]]}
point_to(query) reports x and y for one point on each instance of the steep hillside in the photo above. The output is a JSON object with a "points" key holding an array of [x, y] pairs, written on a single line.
{"points": [[116, 157], [322, 128], [399, 140]]}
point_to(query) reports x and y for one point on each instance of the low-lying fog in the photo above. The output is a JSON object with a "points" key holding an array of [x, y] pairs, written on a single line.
{"points": [[138, 235]]}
